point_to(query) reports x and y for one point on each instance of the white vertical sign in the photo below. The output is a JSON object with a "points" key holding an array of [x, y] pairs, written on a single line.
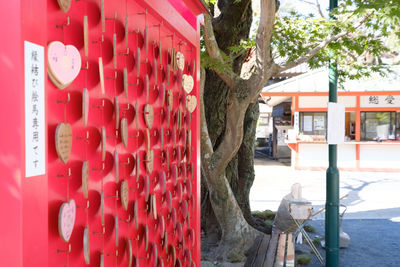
{"points": [[35, 155], [336, 123], [296, 124]]}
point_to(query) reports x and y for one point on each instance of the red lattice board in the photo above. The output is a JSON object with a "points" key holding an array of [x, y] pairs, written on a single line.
{"points": [[141, 204]]}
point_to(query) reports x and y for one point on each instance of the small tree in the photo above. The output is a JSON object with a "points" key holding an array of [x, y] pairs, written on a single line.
{"points": [[229, 108]]}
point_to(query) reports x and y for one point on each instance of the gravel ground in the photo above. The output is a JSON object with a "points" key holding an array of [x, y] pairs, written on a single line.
{"points": [[373, 243]]}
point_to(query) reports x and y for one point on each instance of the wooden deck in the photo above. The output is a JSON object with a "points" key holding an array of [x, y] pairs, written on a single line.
{"points": [[276, 250]]}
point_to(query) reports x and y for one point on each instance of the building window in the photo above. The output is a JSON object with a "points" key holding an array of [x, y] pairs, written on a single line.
{"points": [[313, 123], [378, 126]]}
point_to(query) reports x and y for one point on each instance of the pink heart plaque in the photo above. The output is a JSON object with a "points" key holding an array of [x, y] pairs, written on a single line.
{"points": [[64, 63], [66, 219]]}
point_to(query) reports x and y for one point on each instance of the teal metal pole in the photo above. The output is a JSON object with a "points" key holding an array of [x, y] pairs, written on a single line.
{"points": [[332, 177]]}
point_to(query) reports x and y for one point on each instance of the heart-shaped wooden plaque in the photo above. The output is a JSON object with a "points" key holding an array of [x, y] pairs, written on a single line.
{"points": [[66, 219], [102, 207], [170, 103], [149, 161], [116, 111], [86, 35], [115, 50], [129, 251], [162, 93], [172, 253], [126, 29], [155, 70], [124, 131], [137, 166], [162, 138], [101, 75], [180, 61], [146, 237], [147, 140], [146, 39], [153, 202], [135, 214], [149, 115], [191, 103], [65, 5], [64, 63], [86, 247], [179, 192], [124, 194], [116, 163], [161, 225], [188, 83], [85, 106], [103, 143], [146, 187], [138, 62], [116, 231], [85, 179], [64, 141], [155, 255]]}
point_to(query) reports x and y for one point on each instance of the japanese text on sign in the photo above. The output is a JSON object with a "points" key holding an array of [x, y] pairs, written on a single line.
{"points": [[34, 110], [380, 101]]}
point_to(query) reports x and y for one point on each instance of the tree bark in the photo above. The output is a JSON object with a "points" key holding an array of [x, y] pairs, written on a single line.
{"points": [[236, 234], [230, 27]]}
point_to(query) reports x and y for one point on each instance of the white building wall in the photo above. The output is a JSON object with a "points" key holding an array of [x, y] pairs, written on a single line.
{"points": [[322, 101], [380, 156], [313, 155], [316, 155]]}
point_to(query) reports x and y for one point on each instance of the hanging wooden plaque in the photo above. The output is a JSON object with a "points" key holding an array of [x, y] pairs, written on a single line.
{"points": [[63, 140], [85, 179]]}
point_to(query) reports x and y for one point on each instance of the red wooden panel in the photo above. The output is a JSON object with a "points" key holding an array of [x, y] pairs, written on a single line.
{"points": [[161, 221], [163, 23], [11, 137]]}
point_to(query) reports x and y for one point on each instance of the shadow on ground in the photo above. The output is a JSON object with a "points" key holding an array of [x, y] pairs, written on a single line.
{"points": [[373, 243]]}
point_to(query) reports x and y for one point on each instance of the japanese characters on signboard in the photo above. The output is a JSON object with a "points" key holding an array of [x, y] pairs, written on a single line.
{"points": [[380, 101], [34, 110]]}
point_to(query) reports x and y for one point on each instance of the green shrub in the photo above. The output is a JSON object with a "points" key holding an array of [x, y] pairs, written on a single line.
{"points": [[264, 215], [317, 241], [310, 229], [303, 259], [269, 222]]}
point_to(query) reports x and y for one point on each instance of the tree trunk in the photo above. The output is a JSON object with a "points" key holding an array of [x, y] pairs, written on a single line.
{"points": [[230, 27], [236, 234]]}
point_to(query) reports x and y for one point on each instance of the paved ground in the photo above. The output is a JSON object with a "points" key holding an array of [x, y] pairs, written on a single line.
{"points": [[372, 195], [374, 243], [372, 219]]}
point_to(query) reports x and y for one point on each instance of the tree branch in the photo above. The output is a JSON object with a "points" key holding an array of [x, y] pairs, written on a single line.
{"points": [[312, 53], [263, 44], [233, 135], [316, 4], [226, 73], [319, 47]]}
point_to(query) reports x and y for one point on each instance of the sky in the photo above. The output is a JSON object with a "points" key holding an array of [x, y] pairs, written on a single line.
{"points": [[299, 5], [305, 8]]}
